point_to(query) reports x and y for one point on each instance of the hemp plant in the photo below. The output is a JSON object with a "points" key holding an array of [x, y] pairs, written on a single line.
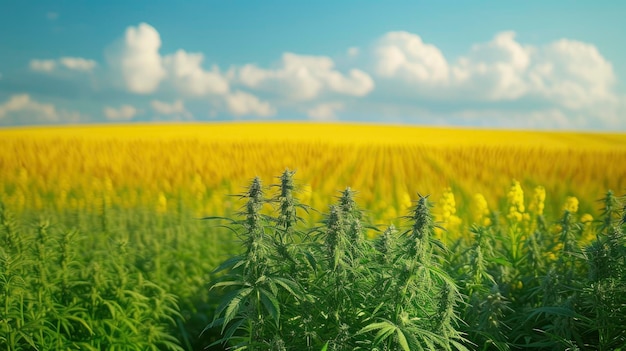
{"points": [[250, 313], [330, 287]]}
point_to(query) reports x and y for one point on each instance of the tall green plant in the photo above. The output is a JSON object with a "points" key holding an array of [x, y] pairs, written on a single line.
{"points": [[349, 293]]}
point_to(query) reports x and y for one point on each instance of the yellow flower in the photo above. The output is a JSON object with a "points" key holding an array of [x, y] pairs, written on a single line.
{"points": [[586, 218], [553, 255], [446, 213], [557, 228], [447, 207], [571, 204], [480, 210], [515, 199], [537, 203]]}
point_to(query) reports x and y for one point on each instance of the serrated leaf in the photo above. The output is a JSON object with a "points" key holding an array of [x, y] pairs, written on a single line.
{"points": [[289, 285], [376, 326], [229, 263], [271, 305], [402, 340], [235, 304], [228, 283]]}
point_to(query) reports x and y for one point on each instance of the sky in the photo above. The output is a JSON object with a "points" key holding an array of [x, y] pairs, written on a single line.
{"points": [[556, 65]]}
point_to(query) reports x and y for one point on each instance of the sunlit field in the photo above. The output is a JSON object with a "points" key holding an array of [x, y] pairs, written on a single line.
{"points": [[195, 166], [447, 239]]}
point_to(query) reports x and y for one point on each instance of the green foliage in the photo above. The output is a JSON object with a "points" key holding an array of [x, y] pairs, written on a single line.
{"points": [[515, 283], [141, 280], [339, 291], [55, 297], [138, 284]]}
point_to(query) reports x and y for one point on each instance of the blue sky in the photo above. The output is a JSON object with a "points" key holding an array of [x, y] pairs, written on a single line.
{"points": [[502, 64]]}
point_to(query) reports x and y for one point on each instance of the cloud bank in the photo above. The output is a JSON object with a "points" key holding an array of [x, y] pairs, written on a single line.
{"points": [[570, 77], [399, 77], [22, 109]]}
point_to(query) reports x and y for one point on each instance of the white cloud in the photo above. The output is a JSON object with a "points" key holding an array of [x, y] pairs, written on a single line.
{"points": [[564, 84], [404, 55], [187, 75], [124, 112], [78, 63], [571, 79], [325, 111], [493, 71], [177, 108], [302, 78], [71, 63], [135, 58], [23, 109], [567, 73], [240, 103], [573, 74], [24, 103], [42, 65]]}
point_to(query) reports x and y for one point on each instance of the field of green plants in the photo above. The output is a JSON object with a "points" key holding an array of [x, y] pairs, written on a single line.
{"points": [[130, 238], [268, 278]]}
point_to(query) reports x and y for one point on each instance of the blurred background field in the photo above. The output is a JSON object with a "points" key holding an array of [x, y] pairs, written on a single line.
{"points": [[195, 167]]}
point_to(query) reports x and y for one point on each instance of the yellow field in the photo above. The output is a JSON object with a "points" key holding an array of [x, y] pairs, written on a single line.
{"points": [[168, 167]]}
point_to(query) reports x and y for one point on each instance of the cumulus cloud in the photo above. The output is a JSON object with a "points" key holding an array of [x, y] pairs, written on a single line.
{"points": [[123, 113], [302, 78], [571, 77], [404, 55], [136, 60], [187, 75], [176, 108], [24, 103], [325, 111], [573, 74], [565, 83], [240, 103], [493, 71], [23, 109], [569, 73]]}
